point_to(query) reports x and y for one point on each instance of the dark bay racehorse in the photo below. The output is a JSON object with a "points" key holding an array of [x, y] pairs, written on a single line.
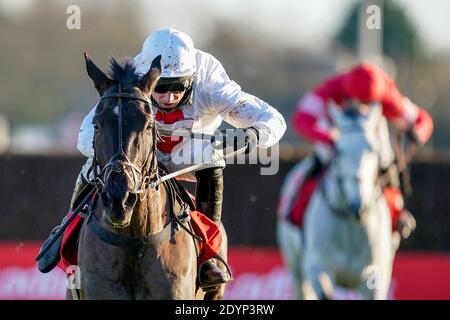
{"points": [[132, 244]]}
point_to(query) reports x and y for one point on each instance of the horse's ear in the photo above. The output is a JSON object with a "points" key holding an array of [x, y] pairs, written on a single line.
{"points": [[149, 80], [100, 79], [335, 112]]}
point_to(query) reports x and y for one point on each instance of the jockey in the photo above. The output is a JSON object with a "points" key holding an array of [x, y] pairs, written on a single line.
{"points": [[363, 84], [194, 94]]}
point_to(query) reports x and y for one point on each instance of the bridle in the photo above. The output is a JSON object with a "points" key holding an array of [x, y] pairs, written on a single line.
{"points": [[119, 162], [142, 181], [340, 178]]}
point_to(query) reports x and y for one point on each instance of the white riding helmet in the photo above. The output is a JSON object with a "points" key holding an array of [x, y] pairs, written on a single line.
{"points": [[177, 53]]}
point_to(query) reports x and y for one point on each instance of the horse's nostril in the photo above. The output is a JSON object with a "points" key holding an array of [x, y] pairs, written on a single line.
{"points": [[130, 200]]}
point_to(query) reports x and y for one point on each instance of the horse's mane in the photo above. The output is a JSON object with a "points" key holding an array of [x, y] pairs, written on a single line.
{"points": [[124, 72]]}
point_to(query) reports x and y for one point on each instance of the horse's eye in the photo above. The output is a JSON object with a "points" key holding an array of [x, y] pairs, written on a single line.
{"points": [[96, 128]]}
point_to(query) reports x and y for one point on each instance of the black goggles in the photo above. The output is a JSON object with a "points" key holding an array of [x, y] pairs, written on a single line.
{"points": [[164, 86], [174, 87]]}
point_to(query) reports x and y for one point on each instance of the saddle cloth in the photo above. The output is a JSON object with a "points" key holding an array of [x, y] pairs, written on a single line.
{"points": [[301, 202]]}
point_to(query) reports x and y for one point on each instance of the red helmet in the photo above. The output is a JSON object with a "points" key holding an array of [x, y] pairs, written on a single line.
{"points": [[365, 82]]}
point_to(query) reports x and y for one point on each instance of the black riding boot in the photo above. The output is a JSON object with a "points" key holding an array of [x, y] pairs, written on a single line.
{"points": [[51, 258], [209, 197]]}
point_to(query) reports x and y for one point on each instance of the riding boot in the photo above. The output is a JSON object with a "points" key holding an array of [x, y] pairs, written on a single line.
{"points": [[51, 258], [209, 197]]}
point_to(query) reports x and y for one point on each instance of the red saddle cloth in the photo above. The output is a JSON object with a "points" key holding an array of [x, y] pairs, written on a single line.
{"points": [[201, 224], [301, 201], [393, 198], [69, 246]]}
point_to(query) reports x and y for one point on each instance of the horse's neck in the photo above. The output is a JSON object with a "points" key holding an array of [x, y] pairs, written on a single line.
{"points": [[148, 217]]}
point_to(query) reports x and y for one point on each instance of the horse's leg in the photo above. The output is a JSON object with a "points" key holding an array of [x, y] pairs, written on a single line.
{"points": [[319, 284], [220, 291], [320, 226], [385, 260], [377, 277], [101, 269], [385, 254], [290, 242], [73, 294]]}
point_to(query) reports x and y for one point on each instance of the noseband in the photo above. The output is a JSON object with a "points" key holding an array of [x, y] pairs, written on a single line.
{"points": [[119, 162]]}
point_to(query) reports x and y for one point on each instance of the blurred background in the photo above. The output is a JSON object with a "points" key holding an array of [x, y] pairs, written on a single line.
{"points": [[276, 50]]}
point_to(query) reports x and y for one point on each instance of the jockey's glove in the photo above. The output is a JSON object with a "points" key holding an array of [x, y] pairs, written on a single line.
{"points": [[238, 138], [251, 139]]}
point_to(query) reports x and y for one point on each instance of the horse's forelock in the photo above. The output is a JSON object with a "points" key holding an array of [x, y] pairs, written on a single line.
{"points": [[124, 72]]}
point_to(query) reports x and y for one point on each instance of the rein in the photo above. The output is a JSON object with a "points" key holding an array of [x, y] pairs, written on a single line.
{"points": [[404, 158]]}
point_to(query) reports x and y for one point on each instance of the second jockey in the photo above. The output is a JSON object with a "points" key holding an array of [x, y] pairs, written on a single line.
{"points": [[194, 95], [362, 85]]}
